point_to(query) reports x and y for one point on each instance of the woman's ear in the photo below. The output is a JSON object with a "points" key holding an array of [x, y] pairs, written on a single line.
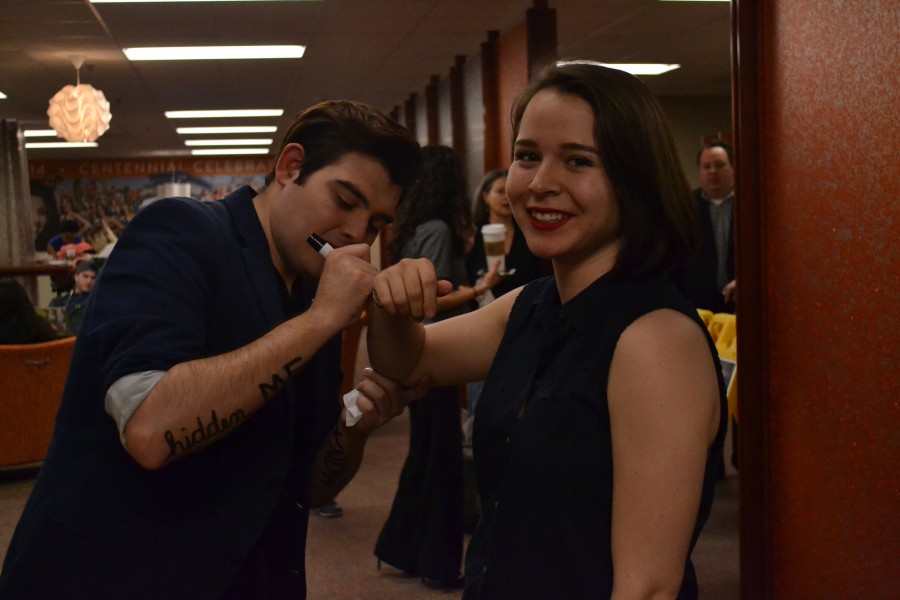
{"points": [[289, 163]]}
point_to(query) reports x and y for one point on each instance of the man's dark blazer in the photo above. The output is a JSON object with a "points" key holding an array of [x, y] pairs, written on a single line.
{"points": [[697, 279], [187, 280]]}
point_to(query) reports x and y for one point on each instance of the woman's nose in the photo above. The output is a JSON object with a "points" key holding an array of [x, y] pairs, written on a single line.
{"points": [[545, 180]]}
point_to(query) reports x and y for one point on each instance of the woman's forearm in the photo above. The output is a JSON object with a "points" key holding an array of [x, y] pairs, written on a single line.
{"points": [[394, 344]]}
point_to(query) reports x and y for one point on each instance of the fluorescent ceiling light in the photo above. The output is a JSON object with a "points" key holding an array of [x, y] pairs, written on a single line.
{"points": [[161, 1], [223, 114], [214, 52], [633, 68], [247, 142], [2, 96], [219, 151], [237, 129], [40, 133], [643, 68], [61, 145]]}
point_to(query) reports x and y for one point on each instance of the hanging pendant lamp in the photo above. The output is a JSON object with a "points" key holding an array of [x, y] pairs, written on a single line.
{"points": [[79, 113]]}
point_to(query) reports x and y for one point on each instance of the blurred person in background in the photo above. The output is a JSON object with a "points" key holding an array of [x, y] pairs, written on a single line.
{"points": [[74, 302], [19, 322], [707, 278], [423, 535]]}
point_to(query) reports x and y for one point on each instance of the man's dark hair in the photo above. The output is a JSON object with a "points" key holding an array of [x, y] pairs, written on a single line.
{"points": [[330, 130], [717, 144], [657, 214]]}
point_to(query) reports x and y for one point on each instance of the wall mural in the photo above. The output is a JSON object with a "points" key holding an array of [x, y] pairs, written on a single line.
{"points": [[101, 196]]}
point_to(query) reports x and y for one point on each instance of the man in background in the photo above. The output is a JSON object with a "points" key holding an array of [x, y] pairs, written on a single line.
{"points": [[708, 276], [74, 302]]}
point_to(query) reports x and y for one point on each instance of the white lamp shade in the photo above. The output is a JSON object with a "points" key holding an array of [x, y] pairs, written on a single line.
{"points": [[79, 113]]}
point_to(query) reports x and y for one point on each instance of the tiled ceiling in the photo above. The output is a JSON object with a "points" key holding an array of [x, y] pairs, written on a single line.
{"points": [[378, 51]]}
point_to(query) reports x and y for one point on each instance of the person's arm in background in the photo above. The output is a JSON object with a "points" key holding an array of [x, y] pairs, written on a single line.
{"points": [[465, 294], [664, 413], [729, 292]]}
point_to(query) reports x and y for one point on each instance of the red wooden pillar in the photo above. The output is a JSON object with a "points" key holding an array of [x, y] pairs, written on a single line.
{"points": [[818, 279]]}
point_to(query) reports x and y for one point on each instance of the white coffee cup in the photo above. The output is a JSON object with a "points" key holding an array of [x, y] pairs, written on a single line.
{"points": [[494, 235]]}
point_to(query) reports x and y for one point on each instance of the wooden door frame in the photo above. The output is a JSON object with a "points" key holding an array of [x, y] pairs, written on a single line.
{"points": [[750, 217]]}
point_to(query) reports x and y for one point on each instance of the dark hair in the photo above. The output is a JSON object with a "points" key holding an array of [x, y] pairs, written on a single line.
{"points": [[69, 226], [657, 214], [439, 193], [717, 144], [19, 323], [481, 212], [329, 130]]}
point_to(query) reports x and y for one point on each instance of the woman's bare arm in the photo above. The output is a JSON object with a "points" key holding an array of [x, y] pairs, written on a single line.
{"points": [[664, 414], [449, 352]]}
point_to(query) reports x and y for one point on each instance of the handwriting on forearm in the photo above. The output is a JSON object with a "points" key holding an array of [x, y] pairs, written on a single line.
{"points": [[202, 433], [334, 459], [290, 369]]}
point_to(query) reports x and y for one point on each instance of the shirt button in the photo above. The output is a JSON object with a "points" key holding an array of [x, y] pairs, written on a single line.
{"points": [[507, 439], [484, 569], [299, 506], [295, 572], [496, 504]]}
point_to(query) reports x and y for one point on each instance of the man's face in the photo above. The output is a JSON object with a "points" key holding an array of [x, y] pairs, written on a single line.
{"points": [[716, 173], [344, 203], [84, 281]]}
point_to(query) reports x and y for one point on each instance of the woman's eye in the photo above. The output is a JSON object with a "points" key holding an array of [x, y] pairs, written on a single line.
{"points": [[580, 161], [525, 156]]}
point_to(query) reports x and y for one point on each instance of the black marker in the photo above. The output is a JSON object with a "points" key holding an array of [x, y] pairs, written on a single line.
{"points": [[319, 245]]}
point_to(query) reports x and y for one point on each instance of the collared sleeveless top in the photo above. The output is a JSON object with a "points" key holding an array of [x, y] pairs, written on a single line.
{"points": [[542, 445]]}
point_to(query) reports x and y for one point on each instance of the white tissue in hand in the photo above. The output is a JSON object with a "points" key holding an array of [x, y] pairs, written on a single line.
{"points": [[353, 413]]}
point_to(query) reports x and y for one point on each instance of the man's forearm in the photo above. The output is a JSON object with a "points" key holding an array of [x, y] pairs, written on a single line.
{"points": [[336, 464], [219, 393]]}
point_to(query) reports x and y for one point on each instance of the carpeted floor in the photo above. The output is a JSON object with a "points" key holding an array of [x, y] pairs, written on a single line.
{"points": [[340, 563]]}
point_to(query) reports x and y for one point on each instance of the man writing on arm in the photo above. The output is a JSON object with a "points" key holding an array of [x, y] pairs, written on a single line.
{"points": [[200, 420]]}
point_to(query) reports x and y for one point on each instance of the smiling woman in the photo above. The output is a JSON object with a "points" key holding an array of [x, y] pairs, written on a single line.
{"points": [[603, 397]]}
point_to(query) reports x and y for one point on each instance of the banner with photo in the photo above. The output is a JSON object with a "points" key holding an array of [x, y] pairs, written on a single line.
{"points": [[101, 196]]}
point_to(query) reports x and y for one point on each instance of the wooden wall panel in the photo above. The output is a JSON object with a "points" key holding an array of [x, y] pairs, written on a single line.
{"points": [[445, 112], [490, 88], [513, 77]]}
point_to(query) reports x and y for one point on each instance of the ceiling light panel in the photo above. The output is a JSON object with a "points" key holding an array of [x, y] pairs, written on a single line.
{"points": [[228, 151], [247, 142], [223, 114], [60, 145], [214, 52], [175, 1], [216, 130]]}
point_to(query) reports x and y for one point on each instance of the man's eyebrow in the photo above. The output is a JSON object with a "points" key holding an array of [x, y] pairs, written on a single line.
{"points": [[354, 189], [358, 194]]}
